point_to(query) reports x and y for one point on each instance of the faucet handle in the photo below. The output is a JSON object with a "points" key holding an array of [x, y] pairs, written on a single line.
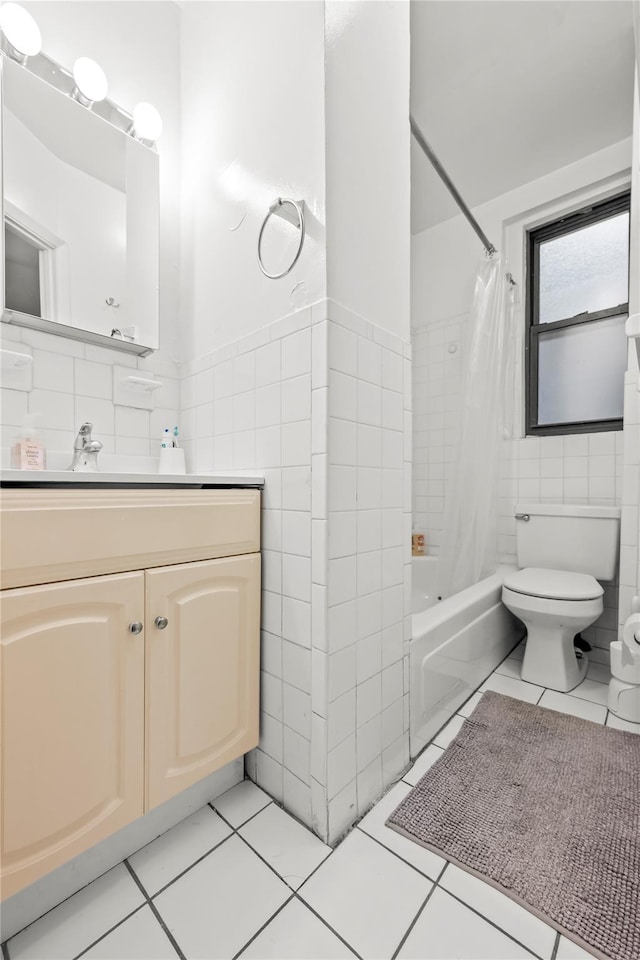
{"points": [[85, 450], [83, 436]]}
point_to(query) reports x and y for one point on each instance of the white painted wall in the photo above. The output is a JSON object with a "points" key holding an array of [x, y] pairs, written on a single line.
{"points": [[367, 144], [267, 111], [442, 282], [252, 130]]}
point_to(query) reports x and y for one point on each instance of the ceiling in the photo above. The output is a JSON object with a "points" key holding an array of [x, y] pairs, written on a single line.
{"points": [[506, 91]]}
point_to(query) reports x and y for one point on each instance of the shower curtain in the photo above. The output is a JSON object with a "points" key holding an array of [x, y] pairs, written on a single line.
{"points": [[469, 549]]}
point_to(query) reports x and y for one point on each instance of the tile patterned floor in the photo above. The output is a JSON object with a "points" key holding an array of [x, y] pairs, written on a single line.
{"points": [[241, 878]]}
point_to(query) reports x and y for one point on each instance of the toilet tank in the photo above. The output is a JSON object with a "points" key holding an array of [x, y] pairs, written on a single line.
{"points": [[566, 536]]}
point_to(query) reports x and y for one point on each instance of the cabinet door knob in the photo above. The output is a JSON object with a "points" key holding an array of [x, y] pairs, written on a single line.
{"points": [[135, 627], [161, 622]]}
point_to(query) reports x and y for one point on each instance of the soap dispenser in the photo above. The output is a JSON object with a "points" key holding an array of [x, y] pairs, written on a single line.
{"points": [[27, 450]]}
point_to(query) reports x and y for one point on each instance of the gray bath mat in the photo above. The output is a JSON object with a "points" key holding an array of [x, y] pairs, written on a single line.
{"points": [[545, 807]]}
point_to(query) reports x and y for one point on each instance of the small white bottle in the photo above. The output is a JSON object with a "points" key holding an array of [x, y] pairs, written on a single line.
{"points": [[171, 456], [28, 451]]}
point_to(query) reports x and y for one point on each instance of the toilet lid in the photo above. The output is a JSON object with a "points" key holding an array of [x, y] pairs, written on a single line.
{"points": [[554, 584]]}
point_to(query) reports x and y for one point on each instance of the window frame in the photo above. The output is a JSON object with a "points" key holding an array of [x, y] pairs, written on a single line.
{"points": [[593, 213]]}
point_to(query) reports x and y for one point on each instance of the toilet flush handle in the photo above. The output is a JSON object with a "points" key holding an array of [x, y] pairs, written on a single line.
{"points": [[523, 516]]}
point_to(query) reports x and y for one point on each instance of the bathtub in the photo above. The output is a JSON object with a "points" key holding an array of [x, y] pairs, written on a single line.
{"points": [[456, 643]]}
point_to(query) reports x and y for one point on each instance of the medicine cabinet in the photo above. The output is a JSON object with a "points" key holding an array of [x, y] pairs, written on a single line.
{"points": [[81, 216]]}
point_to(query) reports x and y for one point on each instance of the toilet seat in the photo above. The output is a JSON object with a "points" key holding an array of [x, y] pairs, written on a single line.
{"points": [[554, 584]]}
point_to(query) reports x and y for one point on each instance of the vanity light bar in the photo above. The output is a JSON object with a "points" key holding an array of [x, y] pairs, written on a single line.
{"points": [[87, 84], [147, 123], [90, 82], [20, 32]]}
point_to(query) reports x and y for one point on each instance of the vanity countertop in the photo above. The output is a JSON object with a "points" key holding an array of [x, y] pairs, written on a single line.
{"points": [[66, 478]]}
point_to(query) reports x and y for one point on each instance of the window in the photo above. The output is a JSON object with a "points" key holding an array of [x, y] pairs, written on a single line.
{"points": [[577, 303], [21, 271]]}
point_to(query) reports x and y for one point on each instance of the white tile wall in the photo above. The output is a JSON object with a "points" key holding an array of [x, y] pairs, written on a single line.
{"points": [[249, 407], [368, 523], [319, 405], [69, 382]]}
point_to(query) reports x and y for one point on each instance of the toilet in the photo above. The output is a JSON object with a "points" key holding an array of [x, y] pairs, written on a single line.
{"points": [[563, 550]]}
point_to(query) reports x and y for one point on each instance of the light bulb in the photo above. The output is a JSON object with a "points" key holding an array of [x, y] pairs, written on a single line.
{"points": [[147, 122], [20, 29], [91, 83]]}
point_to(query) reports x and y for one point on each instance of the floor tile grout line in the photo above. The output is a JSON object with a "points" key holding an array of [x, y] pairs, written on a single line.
{"points": [[110, 930], [492, 923], [172, 940], [136, 879], [4, 944], [148, 897], [270, 802], [273, 869], [328, 925], [263, 927], [413, 923], [441, 874], [556, 946], [178, 876], [295, 895], [56, 905], [223, 818], [424, 750], [437, 883], [575, 696], [399, 855]]}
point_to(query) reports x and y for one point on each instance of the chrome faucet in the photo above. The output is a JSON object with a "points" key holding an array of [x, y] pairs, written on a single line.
{"points": [[85, 451]]}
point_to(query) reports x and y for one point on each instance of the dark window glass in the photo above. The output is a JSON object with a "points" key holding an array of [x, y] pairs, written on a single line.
{"points": [[577, 303]]}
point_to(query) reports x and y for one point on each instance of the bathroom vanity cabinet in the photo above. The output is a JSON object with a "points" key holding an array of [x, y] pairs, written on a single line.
{"points": [[130, 658]]}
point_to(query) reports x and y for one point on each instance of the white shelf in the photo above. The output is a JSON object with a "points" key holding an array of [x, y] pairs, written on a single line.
{"points": [[143, 384], [12, 359]]}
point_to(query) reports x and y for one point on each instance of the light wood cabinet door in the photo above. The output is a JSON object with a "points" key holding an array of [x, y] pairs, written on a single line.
{"points": [[202, 688], [72, 712]]}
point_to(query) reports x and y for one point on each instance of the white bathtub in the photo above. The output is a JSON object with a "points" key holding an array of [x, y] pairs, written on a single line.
{"points": [[456, 644]]}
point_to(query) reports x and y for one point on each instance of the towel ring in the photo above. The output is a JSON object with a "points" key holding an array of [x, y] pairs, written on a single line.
{"points": [[282, 208]]}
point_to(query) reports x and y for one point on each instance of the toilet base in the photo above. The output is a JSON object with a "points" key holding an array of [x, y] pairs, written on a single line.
{"points": [[550, 659]]}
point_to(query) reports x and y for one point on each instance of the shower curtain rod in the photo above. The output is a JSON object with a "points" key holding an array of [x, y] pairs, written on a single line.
{"points": [[446, 179]]}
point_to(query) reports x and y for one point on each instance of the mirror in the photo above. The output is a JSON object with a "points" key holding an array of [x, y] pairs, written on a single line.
{"points": [[81, 221]]}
